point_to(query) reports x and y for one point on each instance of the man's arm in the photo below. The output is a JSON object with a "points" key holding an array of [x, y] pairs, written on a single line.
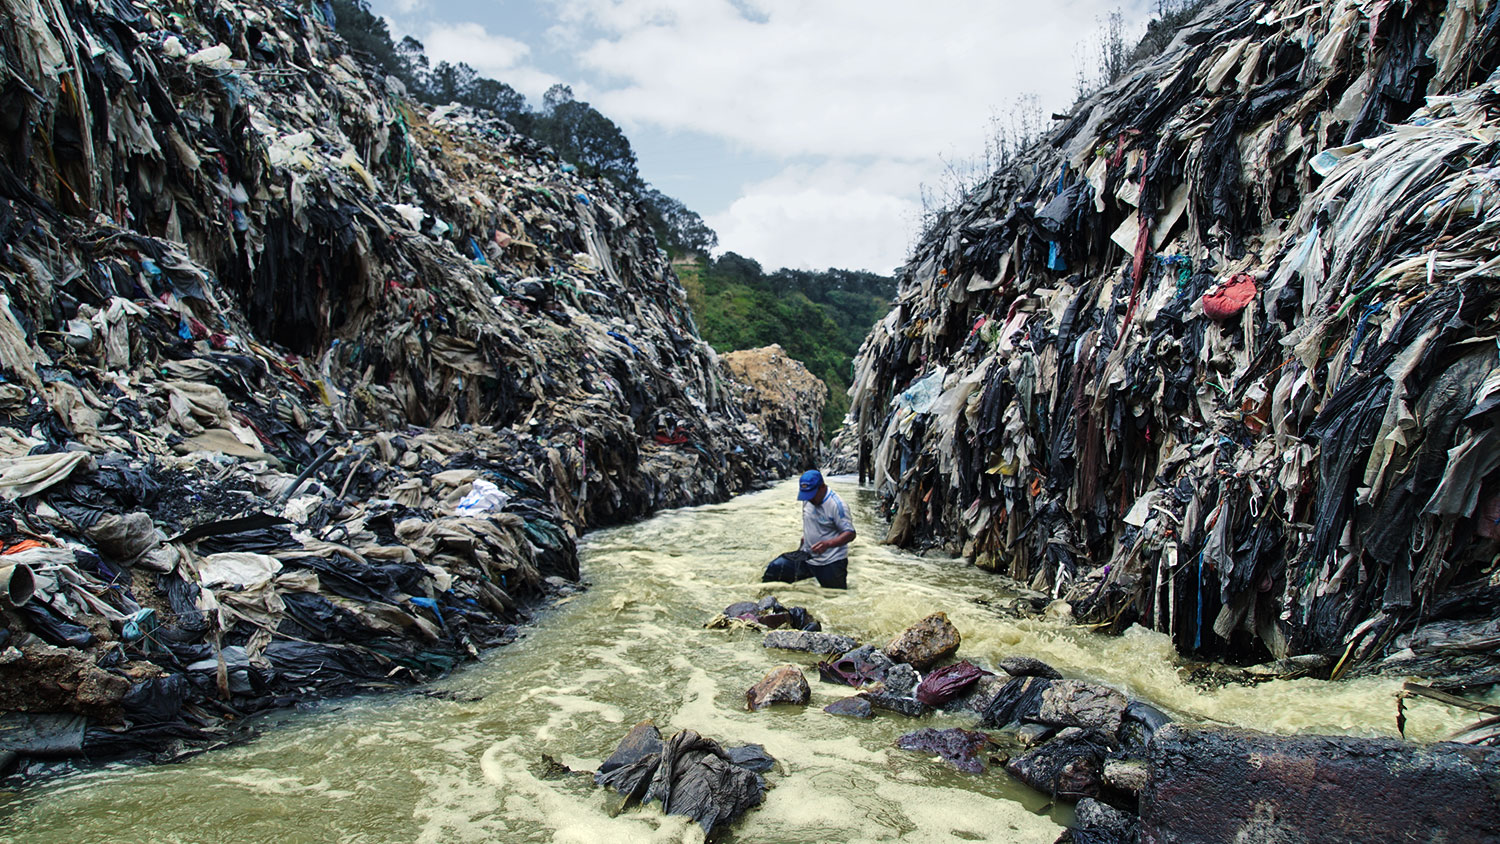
{"points": [[842, 539]]}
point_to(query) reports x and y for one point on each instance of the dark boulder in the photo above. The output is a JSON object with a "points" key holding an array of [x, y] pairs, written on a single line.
{"points": [[1099, 823], [1025, 666], [901, 704], [963, 749], [809, 642], [1069, 766], [1212, 785], [850, 707]]}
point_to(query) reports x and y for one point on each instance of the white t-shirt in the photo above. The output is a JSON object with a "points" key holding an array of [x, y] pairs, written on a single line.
{"points": [[822, 522]]}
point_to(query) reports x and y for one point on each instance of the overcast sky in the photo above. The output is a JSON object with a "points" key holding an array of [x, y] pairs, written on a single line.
{"points": [[801, 130]]}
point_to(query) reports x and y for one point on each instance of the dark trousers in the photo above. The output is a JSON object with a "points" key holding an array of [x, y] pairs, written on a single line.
{"points": [[794, 566]]}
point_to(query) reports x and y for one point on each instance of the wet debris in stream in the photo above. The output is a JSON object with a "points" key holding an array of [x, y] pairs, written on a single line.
{"points": [[688, 774], [1135, 775], [765, 614]]}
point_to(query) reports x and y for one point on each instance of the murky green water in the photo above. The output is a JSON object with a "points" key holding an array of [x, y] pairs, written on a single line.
{"points": [[412, 768]]}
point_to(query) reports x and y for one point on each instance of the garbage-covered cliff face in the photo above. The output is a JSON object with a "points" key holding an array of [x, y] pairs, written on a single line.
{"points": [[432, 269], [1218, 356], [299, 374]]}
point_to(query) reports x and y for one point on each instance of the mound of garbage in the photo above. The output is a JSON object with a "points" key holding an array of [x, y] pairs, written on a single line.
{"points": [[1218, 355], [783, 398], [307, 388]]}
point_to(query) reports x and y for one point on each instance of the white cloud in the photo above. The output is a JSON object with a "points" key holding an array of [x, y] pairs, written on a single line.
{"points": [[830, 77], [879, 92], [495, 56], [816, 217]]}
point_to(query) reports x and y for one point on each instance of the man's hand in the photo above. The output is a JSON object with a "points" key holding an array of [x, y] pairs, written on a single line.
{"points": [[824, 544]]}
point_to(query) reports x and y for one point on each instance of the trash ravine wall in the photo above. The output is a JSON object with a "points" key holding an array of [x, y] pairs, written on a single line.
{"points": [[1218, 356], [307, 388]]}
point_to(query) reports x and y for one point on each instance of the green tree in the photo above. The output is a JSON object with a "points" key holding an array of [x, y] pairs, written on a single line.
{"points": [[820, 318], [583, 136], [451, 83], [678, 228]]}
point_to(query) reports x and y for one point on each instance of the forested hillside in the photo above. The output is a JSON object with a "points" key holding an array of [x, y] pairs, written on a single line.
{"points": [[820, 318]]}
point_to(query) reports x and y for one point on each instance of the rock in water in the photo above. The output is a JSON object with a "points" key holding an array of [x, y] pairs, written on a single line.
{"points": [[908, 706], [1068, 766], [850, 707], [900, 679], [1074, 703], [784, 684], [813, 643], [1025, 666], [925, 643], [1212, 785], [963, 749]]}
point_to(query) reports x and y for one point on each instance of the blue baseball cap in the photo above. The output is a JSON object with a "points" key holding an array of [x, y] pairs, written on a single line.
{"points": [[808, 486]]}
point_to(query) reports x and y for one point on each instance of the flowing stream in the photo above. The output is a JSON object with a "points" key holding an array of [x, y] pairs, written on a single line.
{"points": [[461, 761]]}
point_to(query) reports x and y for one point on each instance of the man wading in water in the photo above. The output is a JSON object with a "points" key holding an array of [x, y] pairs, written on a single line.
{"points": [[827, 530]]}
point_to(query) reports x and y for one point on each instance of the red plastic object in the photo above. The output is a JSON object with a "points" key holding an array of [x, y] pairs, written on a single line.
{"points": [[1230, 298]]}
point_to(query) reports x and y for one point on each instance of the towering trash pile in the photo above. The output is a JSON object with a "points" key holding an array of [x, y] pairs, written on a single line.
{"points": [[1218, 356], [306, 388]]}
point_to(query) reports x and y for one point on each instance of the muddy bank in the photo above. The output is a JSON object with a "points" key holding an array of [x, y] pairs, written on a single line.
{"points": [[308, 388]]}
